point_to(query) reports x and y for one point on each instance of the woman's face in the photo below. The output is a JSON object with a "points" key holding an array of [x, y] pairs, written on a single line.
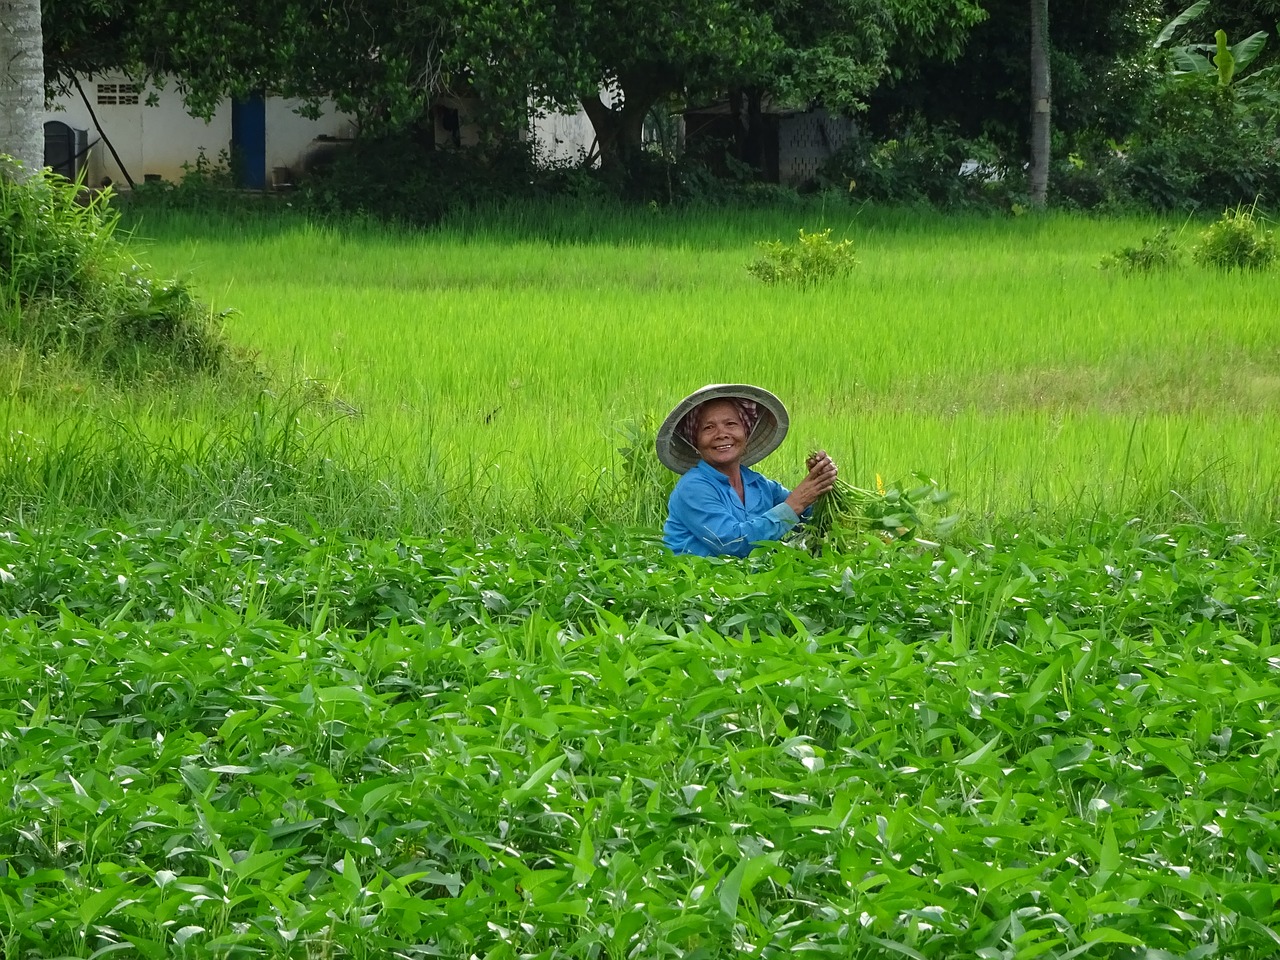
{"points": [[721, 435]]}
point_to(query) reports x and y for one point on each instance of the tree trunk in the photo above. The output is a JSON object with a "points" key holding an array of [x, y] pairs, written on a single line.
{"points": [[752, 151], [1040, 101], [22, 83], [620, 129]]}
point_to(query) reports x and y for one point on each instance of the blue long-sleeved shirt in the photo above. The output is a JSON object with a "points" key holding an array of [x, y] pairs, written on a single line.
{"points": [[705, 516]]}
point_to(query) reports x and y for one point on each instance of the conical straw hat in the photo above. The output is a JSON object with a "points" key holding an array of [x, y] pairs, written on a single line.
{"points": [[676, 453]]}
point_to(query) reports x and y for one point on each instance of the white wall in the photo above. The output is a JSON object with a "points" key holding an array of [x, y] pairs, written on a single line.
{"points": [[158, 140], [563, 137], [569, 137], [291, 138]]}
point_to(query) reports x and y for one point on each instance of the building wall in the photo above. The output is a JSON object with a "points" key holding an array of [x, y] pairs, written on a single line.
{"points": [[563, 137], [291, 139], [568, 137], [157, 140], [807, 140]]}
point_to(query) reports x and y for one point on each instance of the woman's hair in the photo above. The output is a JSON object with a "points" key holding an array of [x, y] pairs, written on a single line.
{"points": [[748, 410]]}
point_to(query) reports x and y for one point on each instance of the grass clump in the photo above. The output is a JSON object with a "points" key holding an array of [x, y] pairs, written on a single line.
{"points": [[813, 258], [1158, 252], [69, 286], [1237, 241]]}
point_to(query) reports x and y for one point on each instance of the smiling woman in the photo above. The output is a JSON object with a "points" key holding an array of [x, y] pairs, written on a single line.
{"points": [[720, 507]]}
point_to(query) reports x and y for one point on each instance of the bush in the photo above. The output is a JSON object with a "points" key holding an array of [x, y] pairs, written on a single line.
{"points": [[1236, 241], [813, 258], [207, 185], [67, 285], [1201, 148], [401, 180], [1157, 252], [928, 165], [1091, 177]]}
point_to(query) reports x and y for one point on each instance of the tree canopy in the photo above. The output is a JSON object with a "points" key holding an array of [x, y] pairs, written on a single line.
{"points": [[385, 61], [1096, 49]]}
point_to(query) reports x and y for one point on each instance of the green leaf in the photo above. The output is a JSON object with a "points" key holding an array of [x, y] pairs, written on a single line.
{"points": [[977, 756], [1186, 16], [536, 780], [1224, 60], [1108, 859], [742, 880], [894, 947]]}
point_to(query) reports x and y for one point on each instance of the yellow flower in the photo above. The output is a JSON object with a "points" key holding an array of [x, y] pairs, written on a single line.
{"points": [[879, 485]]}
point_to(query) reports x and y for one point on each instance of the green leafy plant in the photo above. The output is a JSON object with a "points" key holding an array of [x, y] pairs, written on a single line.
{"points": [[1208, 138], [642, 484], [903, 510], [813, 258], [254, 739], [924, 164], [1226, 63], [1237, 240], [1157, 252]]}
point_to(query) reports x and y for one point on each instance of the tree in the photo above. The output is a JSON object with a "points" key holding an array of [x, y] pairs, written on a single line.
{"points": [[1040, 102], [618, 58], [1099, 61], [803, 51], [382, 61], [385, 60], [21, 83]]}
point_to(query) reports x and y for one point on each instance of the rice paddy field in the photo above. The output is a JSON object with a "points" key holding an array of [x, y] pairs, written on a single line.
{"points": [[503, 355], [387, 660]]}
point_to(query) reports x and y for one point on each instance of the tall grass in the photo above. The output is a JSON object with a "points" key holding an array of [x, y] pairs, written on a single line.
{"points": [[68, 287], [287, 458], [509, 351]]}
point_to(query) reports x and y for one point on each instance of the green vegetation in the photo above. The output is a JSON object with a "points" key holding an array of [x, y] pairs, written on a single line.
{"points": [[1156, 252], [912, 509], [390, 661], [810, 259], [493, 361], [69, 287], [1237, 240], [235, 740]]}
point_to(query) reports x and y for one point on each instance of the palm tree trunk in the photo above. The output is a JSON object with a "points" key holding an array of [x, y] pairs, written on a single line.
{"points": [[1040, 100], [22, 83]]}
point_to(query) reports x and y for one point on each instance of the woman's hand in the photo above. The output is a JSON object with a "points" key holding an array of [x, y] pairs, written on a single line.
{"points": [[821, 478], [816, 458]]}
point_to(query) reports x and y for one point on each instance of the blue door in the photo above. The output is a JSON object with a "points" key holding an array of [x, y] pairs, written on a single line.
{"points": [[249, 141]]}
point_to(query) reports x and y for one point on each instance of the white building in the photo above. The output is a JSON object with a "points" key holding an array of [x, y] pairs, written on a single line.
{"points": [[273, 143]]}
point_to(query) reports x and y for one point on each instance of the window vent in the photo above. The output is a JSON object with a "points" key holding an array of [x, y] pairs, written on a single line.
{"points": [[117, 94]]}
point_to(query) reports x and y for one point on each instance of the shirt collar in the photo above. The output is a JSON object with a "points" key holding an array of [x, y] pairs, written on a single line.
{"points": [[708, 470]]}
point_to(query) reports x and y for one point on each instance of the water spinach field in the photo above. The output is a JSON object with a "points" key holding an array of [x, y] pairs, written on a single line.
{"points": [[388, 661]]}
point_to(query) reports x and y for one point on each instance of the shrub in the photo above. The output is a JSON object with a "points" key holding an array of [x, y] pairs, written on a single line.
{"points": [[207, 185], [1158, 252], [813, 258], [67, 285], [1236, 241], [401, 180], [928, 165], [1201, 147]]}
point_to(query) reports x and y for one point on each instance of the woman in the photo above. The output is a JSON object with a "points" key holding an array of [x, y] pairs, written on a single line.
{"points": [[719, 507]]}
